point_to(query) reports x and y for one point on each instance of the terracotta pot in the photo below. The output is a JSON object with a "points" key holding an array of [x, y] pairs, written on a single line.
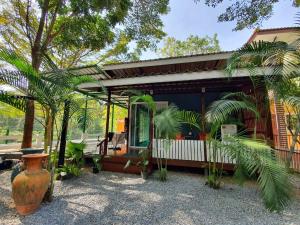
{"points": [[179, 137], [30, 186], [202, 136]]}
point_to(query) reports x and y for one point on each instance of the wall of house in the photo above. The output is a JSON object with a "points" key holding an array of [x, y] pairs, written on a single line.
{"points": [[189, 102]]}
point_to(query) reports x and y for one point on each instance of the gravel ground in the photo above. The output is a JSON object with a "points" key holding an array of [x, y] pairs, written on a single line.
{"points": [[112, 198]]}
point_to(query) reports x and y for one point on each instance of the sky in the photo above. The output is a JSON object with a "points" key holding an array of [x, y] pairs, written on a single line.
{"points": [[187, 17]]}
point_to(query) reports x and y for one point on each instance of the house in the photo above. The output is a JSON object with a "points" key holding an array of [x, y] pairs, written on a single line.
{"points": [[191, 83]]}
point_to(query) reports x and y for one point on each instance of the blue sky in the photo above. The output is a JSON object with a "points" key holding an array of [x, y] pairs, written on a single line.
{"points": [[186, 18]]}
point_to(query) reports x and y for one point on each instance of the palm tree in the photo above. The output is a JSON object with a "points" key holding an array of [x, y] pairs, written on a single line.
{"points": [[253, 156], [167, 123], [50, 90], [280, 76]]}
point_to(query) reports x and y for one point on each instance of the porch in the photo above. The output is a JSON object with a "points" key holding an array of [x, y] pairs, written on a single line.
{"points": [[189, 148], [191, 83]]}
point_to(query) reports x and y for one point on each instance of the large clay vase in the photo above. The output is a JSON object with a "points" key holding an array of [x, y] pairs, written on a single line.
{"points": [[30, 186]]}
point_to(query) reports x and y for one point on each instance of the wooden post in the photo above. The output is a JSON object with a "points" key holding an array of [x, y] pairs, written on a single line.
{"points": [[63, 137], [128, 116], [107, 122], [112, 118], [85, 114], [203, 120]]}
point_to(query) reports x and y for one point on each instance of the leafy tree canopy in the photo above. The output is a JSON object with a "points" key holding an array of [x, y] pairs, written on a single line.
{"points": [[246, 13], [72, 29], [191, 46]]}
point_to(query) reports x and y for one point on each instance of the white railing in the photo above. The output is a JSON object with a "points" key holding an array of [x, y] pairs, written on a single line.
{"points": [[192, 150]]}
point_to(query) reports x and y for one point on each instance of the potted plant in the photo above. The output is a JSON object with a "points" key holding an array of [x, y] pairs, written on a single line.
{"points": [[97, 163], [143, 163]]}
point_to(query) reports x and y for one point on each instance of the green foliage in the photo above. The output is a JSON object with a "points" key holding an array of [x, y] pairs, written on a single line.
{"points": [[143, 161], [162, 174], [69, 31], [191, 118], [246, 14], [255, 157], [220, 110], [54, 158], [215, 174], [167, 122], [213, 180], [97, 160], [74, 152], [70, 169], [17, 102], [138, 96], [191, 46], [50, 90], [281, 78]]}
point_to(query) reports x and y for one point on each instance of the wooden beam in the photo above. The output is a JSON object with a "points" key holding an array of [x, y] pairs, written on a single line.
{"points": [[128, 123], [203, 120], [107, 121]]}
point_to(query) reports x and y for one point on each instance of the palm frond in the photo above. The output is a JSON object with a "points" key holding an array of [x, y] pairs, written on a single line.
{"points": [[14, 79], [167, 122], [145, 98], [255, 157], [190, 118], [254, 54], [219, 110], [18, 102], [15, 60], [293, 101], [239, 95]]}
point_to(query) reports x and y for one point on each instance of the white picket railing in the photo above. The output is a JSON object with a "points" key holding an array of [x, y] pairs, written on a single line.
{"points": [[192, 150]]}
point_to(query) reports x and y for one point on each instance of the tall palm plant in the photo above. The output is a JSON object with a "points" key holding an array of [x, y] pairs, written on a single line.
{"points": [[49, 90], [280, 74], [167, 123], [252, 156]]}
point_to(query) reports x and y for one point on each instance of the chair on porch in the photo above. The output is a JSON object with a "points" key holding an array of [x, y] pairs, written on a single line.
{"points": [[116, 141]]}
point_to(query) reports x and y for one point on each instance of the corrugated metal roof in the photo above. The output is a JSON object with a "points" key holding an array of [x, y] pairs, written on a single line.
{"points": [[278, 29], [168, 58]]}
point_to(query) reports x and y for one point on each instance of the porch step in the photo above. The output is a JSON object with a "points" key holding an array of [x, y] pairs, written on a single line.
{"points": [[117, 164]]}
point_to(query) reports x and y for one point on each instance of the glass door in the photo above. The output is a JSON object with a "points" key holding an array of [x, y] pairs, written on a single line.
{"points": [[139, 125]]}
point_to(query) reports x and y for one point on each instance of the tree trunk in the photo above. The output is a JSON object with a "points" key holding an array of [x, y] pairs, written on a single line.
{"points": [[63, 137], [51, 165], [28, 125], [48, 129], [29, 115]]}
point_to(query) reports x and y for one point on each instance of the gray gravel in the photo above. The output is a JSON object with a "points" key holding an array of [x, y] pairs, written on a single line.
{"points": [[112, 198]]}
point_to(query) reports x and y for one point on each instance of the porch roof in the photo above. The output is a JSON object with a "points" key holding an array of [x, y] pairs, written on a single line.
{"points": [[161, 66], [163, 74]]}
